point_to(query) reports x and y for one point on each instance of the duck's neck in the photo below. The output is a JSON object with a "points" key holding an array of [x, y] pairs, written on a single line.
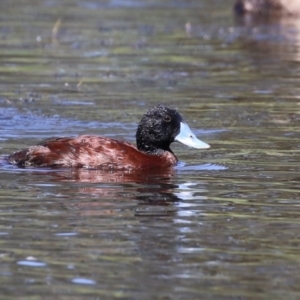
{"points": [[151, 141], [152, 148]]}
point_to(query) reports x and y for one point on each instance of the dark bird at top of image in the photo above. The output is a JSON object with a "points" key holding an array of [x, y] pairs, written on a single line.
{"points": [[268, 7]]}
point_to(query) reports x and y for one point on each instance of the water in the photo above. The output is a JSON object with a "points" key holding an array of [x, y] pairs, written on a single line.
{"points": [[223, 224]]}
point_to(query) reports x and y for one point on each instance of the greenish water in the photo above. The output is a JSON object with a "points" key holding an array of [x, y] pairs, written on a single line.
{"points": [[224, 224]]}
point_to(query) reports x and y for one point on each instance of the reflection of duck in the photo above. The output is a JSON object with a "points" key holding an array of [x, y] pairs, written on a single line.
{"points": [[151, 186], [152, 176], [268, 7], [147, 193], [158, 128]]}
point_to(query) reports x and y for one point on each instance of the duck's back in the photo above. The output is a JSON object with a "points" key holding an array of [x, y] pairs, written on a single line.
{"points": [[89, 152]]}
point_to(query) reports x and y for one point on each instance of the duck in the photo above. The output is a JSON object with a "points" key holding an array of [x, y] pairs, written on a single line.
{"points": [[267, 7], [158, 128]]}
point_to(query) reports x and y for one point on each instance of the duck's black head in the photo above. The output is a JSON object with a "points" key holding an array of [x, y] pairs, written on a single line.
{"points": [[160, 127]]}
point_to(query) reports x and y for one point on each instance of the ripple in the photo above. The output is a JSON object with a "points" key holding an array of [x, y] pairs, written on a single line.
{"points": [[14, 123], [30, 263], [80, 280], [207, 167], [66, 234]]}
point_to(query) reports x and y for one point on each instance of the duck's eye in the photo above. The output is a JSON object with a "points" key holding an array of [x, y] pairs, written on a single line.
{"points": [[167, 118]]}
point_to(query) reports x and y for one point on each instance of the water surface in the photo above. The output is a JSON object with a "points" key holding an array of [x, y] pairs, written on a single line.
{"points": [[223, 224]]}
